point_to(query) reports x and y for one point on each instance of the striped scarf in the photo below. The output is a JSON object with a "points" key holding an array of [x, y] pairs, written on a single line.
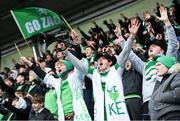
{"points": [[150, 68], [91, 59]]}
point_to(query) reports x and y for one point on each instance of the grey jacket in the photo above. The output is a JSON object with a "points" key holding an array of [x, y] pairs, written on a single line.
{"points": [[166, 98]]}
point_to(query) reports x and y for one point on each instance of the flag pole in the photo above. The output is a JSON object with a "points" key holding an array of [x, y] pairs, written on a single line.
{"points": [[18, 50], [68, 25], [66, 22], [27, 44]]}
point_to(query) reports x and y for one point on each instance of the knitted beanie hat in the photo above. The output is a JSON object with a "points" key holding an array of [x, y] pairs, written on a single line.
{"points": [[168, 61], [68, 64]]}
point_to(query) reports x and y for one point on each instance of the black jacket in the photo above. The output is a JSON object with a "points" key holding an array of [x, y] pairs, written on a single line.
{"points": [[36, 89], [9, 90], [132, 82], [43, 115], [166, 97], [18, 114]]}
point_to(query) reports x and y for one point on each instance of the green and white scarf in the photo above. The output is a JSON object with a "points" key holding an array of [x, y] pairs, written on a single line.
{"points": [[79, 107], [150, 68], [114, 97]]}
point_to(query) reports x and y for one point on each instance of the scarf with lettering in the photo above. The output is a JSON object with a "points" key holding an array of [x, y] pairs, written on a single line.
{"points": [[114, 97]]}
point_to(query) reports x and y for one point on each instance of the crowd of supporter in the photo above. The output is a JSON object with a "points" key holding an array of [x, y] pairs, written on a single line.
{"points": [[130, 72]]}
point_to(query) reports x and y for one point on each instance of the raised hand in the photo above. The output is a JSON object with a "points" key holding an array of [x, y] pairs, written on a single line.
{"points": [[164, 14], [117, 30], [24, 60], [134, 26], [146, 15], [118, 33], [75, 36], [150, 28]]}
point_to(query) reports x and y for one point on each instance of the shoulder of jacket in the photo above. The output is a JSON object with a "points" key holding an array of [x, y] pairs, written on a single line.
{"points": [[175, 68]]}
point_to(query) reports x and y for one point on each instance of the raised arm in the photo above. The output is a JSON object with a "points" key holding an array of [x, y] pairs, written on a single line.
{"points": [[77, 63], [15, 110], [173, 44], [133, 28], [82, 67], [48, 79], [138, 64]]}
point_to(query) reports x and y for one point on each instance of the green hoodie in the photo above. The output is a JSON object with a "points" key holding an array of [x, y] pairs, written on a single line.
{"points": [[66, 93], [69, 67], [50, 102]]}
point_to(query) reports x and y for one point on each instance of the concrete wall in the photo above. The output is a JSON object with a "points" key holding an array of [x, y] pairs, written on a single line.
{"points": [[6, 61], [129, 11]]}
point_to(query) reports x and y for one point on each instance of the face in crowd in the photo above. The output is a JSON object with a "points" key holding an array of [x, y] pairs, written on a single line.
{"points": [[37, 106], [37, 102], [161, 69], [104, 63], [89, 51], [128, 65], [42, 64], [32, 75], [20, 79], [61, 45], [60, 55], [154, 50], [22, 69], [9, 82], [48, 57], [60, 67]]}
